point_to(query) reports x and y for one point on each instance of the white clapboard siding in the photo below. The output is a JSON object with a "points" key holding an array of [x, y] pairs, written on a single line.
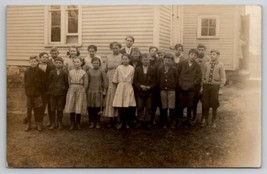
{"points": [[25, 33], [165, 27], [102, 25], [225, 43]]}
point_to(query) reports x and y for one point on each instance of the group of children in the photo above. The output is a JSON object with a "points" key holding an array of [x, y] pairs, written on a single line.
{"points": [[128, 85]]}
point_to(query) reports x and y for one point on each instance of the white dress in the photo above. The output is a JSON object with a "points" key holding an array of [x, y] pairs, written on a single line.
{"points": [[124, 95]]}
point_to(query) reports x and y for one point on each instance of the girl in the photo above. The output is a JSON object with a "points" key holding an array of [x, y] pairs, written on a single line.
{"points": [[124, 96], [92, 49], [72, 54], [113, 61], [76, 96], [97, 87]]}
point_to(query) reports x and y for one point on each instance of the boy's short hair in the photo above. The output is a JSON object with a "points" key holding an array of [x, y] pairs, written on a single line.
{"points": [[144, 55], [54, 49], [33, 57], [201, 46], [161, 52], [131, 37], [179, 45], [168, 56], [43, 53], [92, 46], [151, 47], [215, 51], [195, 51], [96, 59], [114, 43], [59, 59]]}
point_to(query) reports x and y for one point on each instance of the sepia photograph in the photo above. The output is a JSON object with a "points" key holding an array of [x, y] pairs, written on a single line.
{"points": [[133, 86]]}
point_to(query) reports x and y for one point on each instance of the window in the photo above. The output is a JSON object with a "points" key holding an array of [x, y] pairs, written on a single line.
{"points": [[208, 27], [63, 25]]}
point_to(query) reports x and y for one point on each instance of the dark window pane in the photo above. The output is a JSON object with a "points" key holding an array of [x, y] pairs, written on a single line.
{"points": [[204, 22], [73, 13], [55, 34], [212, 22], [212, 32], [55, 18], [73, 25], [72, 39], [204, 31]]}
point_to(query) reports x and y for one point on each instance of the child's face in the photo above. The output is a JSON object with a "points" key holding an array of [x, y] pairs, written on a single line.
{"points": [[179, 51], [96, 64], [58, 64], [44, 58], [33, 63], [92, 52], [73, 52], [201, 52], [153, 52], [145, 61], [116, 49], [77, 63], [125, 60], [135, 56], [161, 55], [129, 42], [214, 56], [54, 54], [192, 57], [167, 61]]}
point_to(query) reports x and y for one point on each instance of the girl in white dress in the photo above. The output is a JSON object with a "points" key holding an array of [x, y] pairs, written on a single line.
{"points": [[124, 98]]}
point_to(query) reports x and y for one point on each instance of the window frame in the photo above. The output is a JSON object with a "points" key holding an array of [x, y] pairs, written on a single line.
{"points": [[64, 27], [199, 26]]}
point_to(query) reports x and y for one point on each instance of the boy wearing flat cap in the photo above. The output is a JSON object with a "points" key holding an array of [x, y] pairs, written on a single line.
{"points": [[58, 87], [213, 79]]}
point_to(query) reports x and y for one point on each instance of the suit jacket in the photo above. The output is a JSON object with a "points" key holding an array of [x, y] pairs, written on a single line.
{"points": [[167, 80], [58, 84], [189, 77], [49, 68], [148, 79], [34, 80]]}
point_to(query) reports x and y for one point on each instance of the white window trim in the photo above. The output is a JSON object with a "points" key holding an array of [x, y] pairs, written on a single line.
{"points": [[199, 27], [64, 33]]}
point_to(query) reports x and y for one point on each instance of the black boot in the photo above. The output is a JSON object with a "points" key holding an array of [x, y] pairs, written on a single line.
{"points": [[52, 120], [78, 121], [59, 119], [72, 121], [29, 118]]}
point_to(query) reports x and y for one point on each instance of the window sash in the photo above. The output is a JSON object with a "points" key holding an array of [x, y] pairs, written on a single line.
{"points": [[207, 25]]}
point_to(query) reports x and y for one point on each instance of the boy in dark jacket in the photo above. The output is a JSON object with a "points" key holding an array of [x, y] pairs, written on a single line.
{"points": [[167, 75], [144, 83], [189, 76], [34, 86], [57, 90]]}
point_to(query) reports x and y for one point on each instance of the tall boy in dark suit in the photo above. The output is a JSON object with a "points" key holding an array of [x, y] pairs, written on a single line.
{"points": [[189, 76]]}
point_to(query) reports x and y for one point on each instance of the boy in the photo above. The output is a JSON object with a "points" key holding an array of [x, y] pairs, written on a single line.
{"points": [[201, 60], [34, 86], [144, 83], [178, 54], [155, 63], [189, 75], [213, 79], [167, 75], [57, 90], [54, 54], [43, 65]]}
